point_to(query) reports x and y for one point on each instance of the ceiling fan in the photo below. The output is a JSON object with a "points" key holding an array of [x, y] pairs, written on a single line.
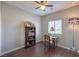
{"points": [[43, 5]]}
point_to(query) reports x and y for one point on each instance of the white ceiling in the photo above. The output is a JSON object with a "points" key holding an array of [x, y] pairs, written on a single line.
{"points": [[31, 5]]}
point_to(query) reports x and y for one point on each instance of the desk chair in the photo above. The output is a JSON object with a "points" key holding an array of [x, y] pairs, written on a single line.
{"points": [[49, 41]]}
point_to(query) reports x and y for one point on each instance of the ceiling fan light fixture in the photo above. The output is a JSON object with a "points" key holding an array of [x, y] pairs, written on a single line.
{"points": [[42, 7]]}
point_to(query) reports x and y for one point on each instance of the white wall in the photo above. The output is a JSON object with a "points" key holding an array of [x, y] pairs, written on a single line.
{"points": [[65, 39], [13, 28], [0, 28]]}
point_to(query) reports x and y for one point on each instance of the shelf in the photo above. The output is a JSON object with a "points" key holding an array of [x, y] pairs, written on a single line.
{"points": [[31, 43], [30, 27], [30, 36], [31, 30], [29, 46], [30, 40]]}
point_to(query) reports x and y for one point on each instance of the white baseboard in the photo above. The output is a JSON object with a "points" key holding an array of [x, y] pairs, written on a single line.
{"points": [[66, 47], [12, 50], [63, 46]]}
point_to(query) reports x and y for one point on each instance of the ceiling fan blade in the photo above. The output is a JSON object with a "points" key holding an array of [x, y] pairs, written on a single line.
{"points": [[37, 2], [37, 7], [49, 5], [41, 1]]}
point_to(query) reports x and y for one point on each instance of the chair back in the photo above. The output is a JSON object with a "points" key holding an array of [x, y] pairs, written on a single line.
{"points": [[46, 37]]}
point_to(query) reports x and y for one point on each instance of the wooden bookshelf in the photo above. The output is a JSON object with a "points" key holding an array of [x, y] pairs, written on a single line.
{"points": [[30, 36]]}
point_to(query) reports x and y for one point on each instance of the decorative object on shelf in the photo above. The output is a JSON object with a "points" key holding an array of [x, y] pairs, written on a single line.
{"points": [[28, 24], [74, 21], [30, 34], [43, 5]]}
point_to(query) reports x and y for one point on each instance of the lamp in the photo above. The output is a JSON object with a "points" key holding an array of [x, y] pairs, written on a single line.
{"points": [[52, 29], [74, 21]]}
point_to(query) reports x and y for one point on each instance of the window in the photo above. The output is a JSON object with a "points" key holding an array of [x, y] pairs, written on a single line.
{"points": [[57, 25]]}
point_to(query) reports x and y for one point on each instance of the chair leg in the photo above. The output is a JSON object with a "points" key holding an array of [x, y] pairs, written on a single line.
{"points": [[44, 45], [54, 43]]}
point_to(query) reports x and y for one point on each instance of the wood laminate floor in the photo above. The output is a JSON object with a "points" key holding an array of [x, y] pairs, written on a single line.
{"points": [[40, 50]]}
